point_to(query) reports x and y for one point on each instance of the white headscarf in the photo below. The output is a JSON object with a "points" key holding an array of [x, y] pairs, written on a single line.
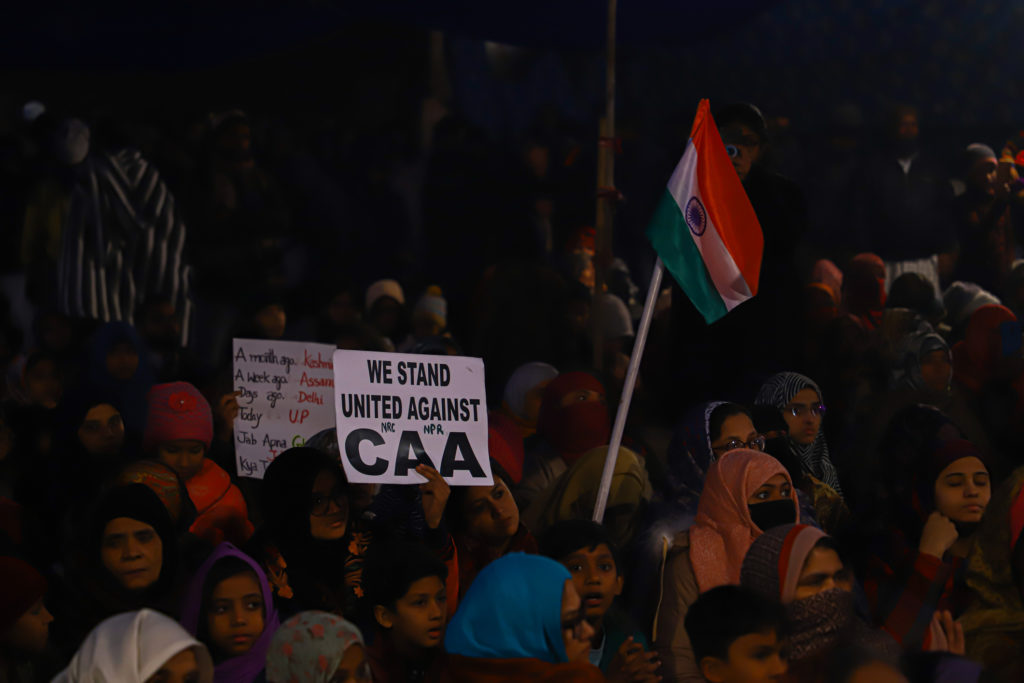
{"points": [[131, 647]]}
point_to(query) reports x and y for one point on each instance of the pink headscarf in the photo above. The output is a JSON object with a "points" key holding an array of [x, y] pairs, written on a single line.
{"points": [[828, 274], [723, 530]]}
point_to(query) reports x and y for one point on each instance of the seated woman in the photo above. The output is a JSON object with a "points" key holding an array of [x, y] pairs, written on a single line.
{"points": [[573, 419], [745, 493], [921, 533], [139, 647], [230, 608], [129, 561], [317, 647], [802, 405], [799, 566], [484, 521], [994, 623], [521, 620]]}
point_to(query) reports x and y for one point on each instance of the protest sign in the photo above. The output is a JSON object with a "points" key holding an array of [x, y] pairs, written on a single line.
{"points": [[395, 411], [287, 396]]}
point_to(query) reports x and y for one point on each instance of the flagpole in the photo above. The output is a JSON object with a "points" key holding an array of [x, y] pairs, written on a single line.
{"points": [[627, 392]]}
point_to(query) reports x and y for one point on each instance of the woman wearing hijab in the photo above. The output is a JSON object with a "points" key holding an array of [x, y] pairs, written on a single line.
{"points": [[131, 558], [994, 623], [746, 492], [229, 607], [317, 647], [799, 566], [918, 527], [573, 419], [574, 495], [924, 363], [801, 403], [521, 620], [139, 647]]}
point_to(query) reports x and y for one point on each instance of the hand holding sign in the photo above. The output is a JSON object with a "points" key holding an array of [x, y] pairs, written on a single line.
{"points": [[435, 495], [396, 412]]}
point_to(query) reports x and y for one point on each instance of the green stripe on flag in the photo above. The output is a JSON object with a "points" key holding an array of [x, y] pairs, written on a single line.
{"points": [[671, 238]]}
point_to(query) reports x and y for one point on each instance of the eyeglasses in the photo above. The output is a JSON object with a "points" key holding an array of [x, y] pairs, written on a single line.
{"points": [[320, 503], [800, 409], [756, 444], [575, 625]]}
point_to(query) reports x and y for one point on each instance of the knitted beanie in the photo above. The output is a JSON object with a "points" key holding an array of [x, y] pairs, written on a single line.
{"points": [[177, 411], [23, 585], [434, 305], [382, 288]]}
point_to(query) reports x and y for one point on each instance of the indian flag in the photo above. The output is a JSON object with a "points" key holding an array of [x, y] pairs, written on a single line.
{"points": [[704, 229]]}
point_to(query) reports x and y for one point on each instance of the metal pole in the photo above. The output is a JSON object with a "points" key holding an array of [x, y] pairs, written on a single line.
{"points": [[627, 393]]}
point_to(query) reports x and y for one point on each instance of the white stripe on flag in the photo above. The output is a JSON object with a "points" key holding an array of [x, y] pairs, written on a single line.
{"points": [[724, 272]]}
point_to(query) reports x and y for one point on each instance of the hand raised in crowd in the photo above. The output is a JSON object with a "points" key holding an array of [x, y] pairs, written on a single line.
{"points": [[435, 492], [226, 412], [632, 664], [938, 536], [947, 635]]}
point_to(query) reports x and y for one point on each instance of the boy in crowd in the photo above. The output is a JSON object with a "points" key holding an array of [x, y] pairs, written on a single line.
{"points": [[405, 591], [737, 636], [618, 648]]}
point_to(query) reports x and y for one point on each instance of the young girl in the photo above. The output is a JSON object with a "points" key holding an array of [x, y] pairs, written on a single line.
{"points": [[139, 647], [523, 619], [318, 647], [800, 401], [745, 493], [229, 607], [179, 430]]}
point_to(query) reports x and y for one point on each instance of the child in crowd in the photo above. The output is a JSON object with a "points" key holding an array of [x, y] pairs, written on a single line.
{"points": [[139, 647], [230, 608], [179, 430], [24, 620], [587, 551], [405, 589], [737, 636], [318, 647]]}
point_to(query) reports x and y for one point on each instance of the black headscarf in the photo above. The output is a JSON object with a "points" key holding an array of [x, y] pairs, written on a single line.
{"points": [[138, 502]]}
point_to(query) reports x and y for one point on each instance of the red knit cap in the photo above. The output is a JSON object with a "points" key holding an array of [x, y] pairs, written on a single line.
{"points": [[23, 586], [177, 411]]}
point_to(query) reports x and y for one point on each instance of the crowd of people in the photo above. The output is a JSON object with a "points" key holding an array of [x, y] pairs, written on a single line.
{"points": [[822, 486]]}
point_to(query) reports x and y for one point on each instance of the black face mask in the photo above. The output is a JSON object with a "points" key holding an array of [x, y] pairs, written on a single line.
{"points": [[772, 514]]}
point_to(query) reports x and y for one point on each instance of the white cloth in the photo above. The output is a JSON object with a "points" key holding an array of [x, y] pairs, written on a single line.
{"points": [[526, 377], [928, 268], [131, 647]]}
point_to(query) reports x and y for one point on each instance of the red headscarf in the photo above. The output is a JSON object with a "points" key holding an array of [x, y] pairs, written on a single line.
{"points": [[976, 358], [575, 428]]}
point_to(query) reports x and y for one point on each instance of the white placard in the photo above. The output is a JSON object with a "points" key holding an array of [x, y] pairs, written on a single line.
{"points": [[287, 397], [396, 410]]}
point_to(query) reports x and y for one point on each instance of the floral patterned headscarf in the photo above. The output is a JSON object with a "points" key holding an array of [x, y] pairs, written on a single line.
{"points": [[309, 647]]}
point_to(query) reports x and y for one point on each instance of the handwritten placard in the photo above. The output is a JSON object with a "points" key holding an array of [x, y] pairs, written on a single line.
{"points": [[287, 396], [395, 411]]}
